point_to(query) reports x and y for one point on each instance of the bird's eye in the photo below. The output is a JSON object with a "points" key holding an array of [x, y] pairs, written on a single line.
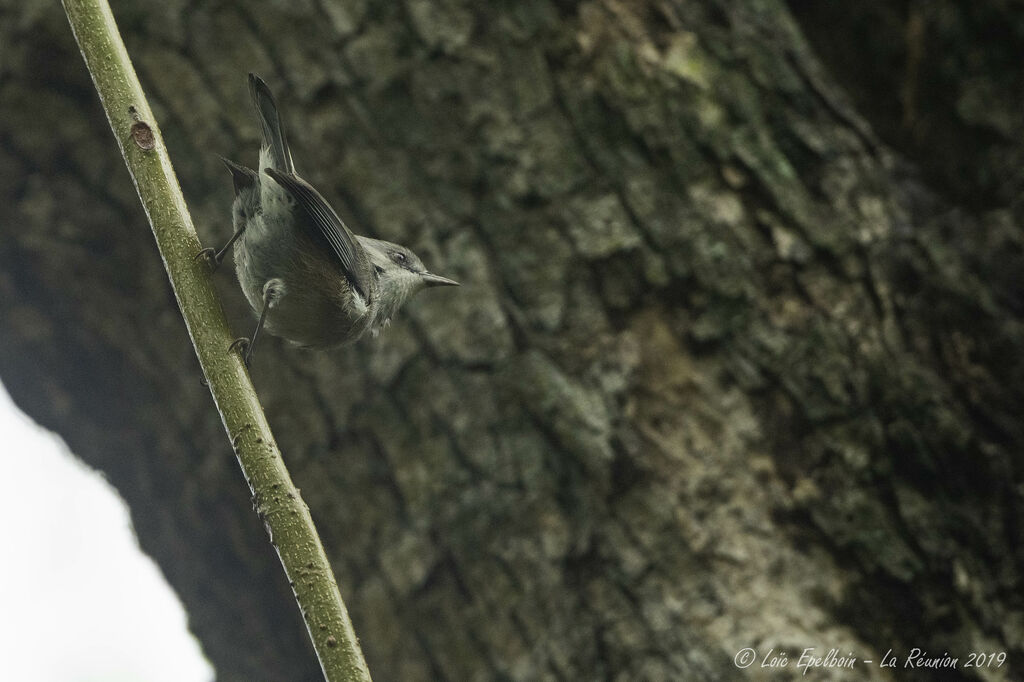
{"points": [[398, 257]]}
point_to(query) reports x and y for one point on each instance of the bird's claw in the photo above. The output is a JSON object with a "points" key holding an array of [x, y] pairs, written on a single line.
{"points": [[210, 255], [241, 345]]}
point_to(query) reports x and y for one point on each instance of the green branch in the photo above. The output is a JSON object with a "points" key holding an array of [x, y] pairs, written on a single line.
{"points": [[275, 497]]}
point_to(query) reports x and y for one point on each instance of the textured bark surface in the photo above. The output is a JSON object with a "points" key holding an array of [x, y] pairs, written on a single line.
{"points": [[736, 361]]}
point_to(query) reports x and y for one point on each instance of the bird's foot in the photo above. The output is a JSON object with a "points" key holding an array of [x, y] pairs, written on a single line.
{"points": [[244, 347], [212, 257]]}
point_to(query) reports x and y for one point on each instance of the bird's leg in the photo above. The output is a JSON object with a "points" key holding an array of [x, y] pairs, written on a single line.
{"points": [[214, 257], [272, 290]]}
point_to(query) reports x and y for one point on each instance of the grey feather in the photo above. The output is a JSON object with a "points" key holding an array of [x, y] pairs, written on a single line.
{"points": [[270, 124], [242, 177], [329, 226]]}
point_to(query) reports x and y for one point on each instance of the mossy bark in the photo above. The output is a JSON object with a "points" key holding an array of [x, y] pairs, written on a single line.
{"points": [[731, 365]]}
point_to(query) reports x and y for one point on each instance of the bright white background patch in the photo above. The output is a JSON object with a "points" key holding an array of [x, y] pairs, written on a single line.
{"points": [[79, 602]]}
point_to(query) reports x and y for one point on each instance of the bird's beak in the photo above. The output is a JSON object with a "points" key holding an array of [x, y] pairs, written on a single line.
{"points": [[433, 280]]}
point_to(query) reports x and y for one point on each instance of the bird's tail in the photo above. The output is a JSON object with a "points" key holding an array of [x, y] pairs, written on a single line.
{"points": [[274, 139]]}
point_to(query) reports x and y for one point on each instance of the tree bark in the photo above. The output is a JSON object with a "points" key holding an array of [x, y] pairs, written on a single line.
{"points": [[735, 363]]}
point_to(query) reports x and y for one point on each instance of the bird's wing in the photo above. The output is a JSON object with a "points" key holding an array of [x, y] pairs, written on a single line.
{"points": [[243, 177], [344, 245], [270, 124]]}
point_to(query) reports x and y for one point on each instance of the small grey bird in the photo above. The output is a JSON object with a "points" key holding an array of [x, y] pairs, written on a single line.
{"points": [[310, 280]]}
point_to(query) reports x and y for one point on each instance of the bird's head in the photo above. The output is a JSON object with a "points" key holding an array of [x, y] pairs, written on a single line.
{"points": [[400, 273]]}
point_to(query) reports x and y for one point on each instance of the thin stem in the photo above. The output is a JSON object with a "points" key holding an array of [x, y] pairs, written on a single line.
{"points": [[276, 499]]}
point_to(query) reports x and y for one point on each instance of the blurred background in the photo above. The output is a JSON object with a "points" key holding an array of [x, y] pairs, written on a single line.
{"points": [[80, 600], [735, 363]]}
